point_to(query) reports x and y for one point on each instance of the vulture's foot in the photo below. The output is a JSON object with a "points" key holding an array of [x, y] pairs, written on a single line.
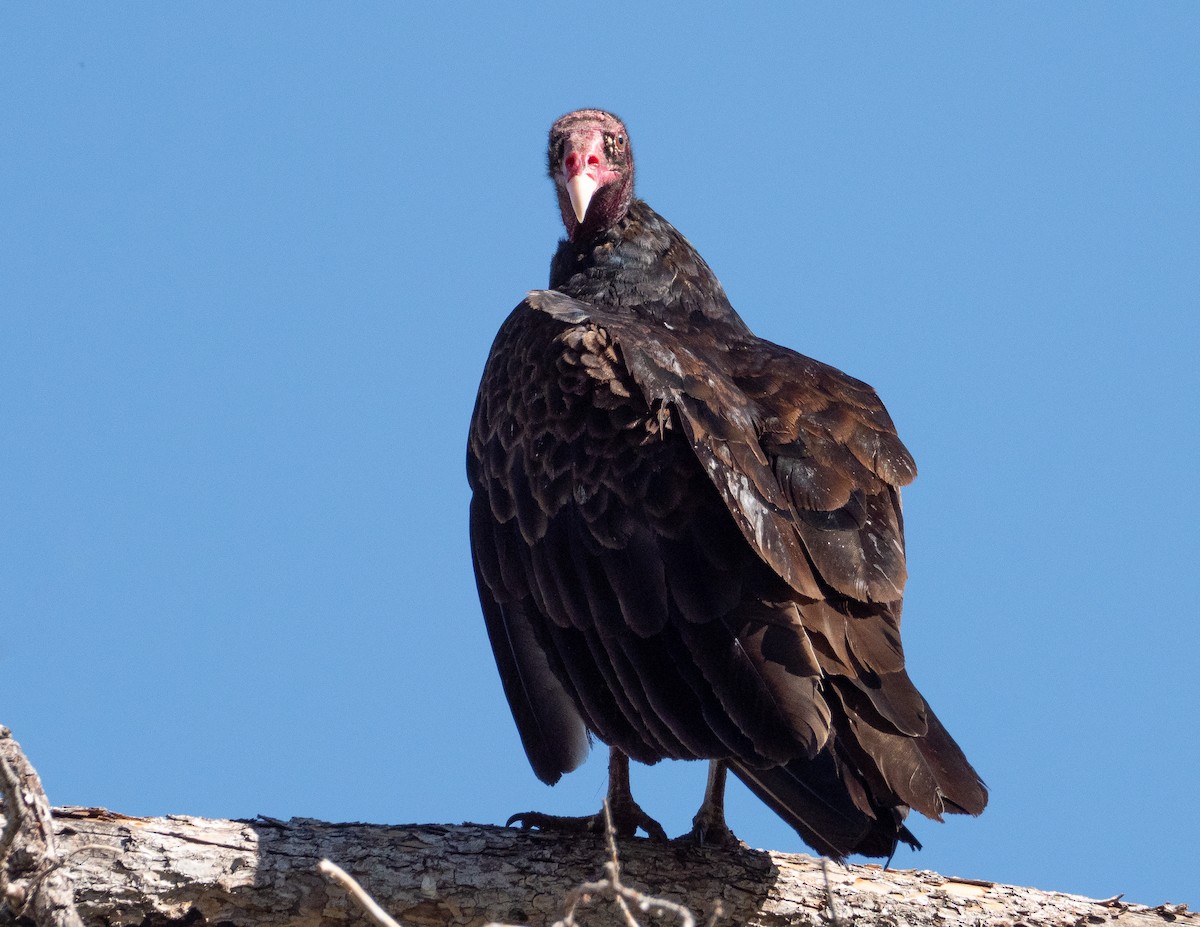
{"points": [[710, 830], [708, 826], [626, 814]]}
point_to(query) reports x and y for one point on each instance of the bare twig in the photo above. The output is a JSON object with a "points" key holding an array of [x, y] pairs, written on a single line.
{"points": [[612, 889], [829, 901], [32, 882], [717, 912], [370, 906], [10, 789]]}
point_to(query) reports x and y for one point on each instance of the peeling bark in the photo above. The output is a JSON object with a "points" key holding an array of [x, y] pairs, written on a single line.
{"points": [[178, 870], [161, 871], [34, 884]]}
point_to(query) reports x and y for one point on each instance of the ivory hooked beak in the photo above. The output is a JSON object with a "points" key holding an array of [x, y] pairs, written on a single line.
{"points": [[580, 189]]}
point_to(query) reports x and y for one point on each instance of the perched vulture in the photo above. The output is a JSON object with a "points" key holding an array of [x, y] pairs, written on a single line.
{"points": [[688, 541]]}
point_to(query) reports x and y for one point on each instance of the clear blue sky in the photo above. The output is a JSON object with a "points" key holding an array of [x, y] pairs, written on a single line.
{"points": [[252, 258]]}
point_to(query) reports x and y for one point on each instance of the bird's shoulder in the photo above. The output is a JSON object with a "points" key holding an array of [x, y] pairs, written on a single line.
{"points": [[791, 404], [805, 457], [643, 268]]}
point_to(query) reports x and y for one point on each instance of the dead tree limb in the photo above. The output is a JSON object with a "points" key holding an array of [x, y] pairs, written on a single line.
{"points": [[177, 870], [161, 871], [34, 884]]}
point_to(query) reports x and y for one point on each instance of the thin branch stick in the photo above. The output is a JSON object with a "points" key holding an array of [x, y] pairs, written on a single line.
{"points": [[362, 898], [32, 881], [612, 889], [10, 791]]}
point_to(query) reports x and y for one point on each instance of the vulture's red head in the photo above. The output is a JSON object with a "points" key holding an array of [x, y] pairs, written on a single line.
{"points": [[591, 164]]}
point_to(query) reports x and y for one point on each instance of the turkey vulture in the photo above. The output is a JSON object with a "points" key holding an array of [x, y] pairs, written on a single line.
{"points": [[688, 541]]}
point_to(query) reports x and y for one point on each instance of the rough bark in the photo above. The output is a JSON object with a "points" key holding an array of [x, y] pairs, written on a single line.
{"points": [[177, 870], [33, 883], [159, 871]]}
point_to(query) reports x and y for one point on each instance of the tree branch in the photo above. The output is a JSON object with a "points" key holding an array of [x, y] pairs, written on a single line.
{"points": [[158, 871], [162, 872]]}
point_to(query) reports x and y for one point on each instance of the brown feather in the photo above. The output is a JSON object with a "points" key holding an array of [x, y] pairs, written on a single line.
{"points": [[689, 541]]}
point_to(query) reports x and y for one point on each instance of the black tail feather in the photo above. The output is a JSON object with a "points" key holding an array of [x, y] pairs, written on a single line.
{"points": [[811, 796]]}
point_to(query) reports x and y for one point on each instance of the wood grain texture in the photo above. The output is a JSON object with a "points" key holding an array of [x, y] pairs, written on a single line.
{"points": [[34, 885], [160, 871]]}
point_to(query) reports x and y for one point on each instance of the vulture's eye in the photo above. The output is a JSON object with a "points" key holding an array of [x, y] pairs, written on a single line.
{"points": [[620, 141]]}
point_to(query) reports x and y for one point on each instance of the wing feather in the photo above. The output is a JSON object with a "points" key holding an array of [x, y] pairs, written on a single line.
{"points": [[551, 729], [928, 773], [801, 453], [695, 549]]}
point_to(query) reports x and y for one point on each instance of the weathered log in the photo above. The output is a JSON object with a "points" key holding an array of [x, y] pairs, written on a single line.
{"points": [[178, 870], [154, 871]]}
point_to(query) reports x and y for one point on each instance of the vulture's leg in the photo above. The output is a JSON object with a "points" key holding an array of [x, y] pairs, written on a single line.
{"points": [[708, 826], [627, 815]]}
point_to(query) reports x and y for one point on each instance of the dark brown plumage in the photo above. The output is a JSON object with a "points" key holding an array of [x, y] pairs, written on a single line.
{"points": [[688, 541]]}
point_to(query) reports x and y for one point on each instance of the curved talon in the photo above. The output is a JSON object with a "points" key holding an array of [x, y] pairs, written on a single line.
{"points": [[711, 834], [653, 829]]}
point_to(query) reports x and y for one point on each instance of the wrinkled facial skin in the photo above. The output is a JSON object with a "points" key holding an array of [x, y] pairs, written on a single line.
{"points": [[591, 163]]}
